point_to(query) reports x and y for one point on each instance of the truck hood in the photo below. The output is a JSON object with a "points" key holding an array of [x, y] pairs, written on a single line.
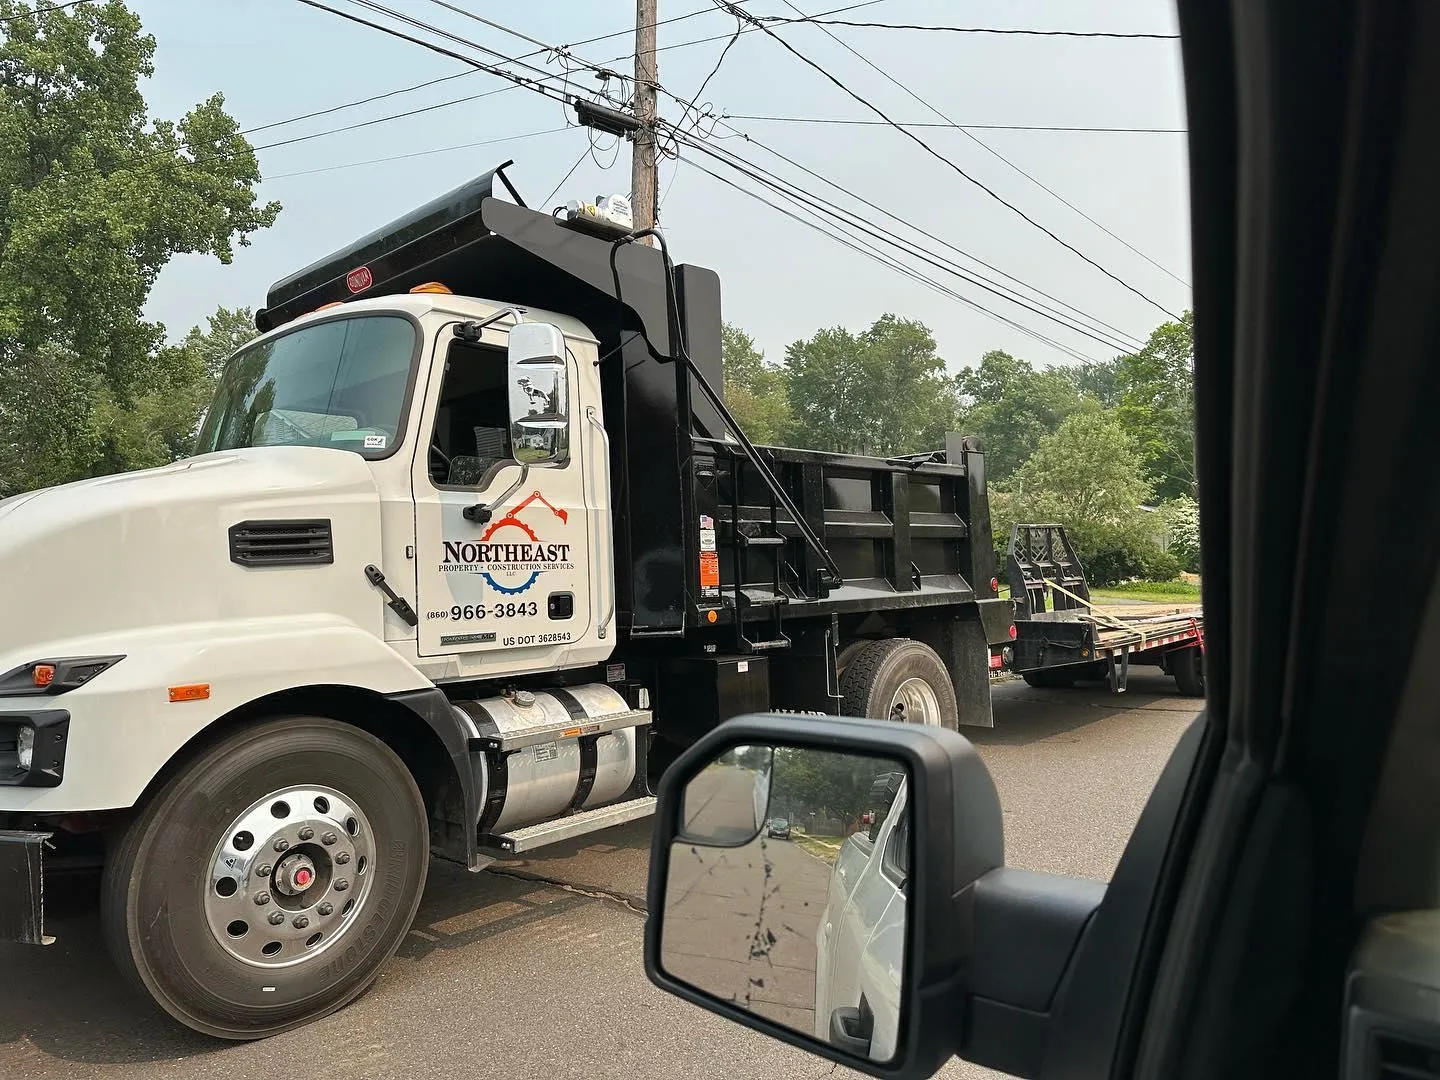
{"points": [[89, 561]]}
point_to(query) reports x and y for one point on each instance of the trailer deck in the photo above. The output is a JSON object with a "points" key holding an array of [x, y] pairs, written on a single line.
{"points": [[1062, 636]]}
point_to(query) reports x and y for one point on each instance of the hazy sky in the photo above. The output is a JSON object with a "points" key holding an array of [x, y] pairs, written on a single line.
{"points": [[274, 59]]}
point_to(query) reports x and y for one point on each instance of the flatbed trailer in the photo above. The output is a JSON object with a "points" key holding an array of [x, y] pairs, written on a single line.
{"points": [[1062, 637]]}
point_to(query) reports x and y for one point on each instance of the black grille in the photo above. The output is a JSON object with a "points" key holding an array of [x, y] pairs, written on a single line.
{"points": [[281, 543]]}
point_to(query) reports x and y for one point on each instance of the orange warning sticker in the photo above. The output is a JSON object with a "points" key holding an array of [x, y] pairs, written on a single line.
{"points": [[709, 569]]}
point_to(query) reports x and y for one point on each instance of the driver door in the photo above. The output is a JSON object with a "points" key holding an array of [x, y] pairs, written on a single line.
{"points": [[500, 512]]}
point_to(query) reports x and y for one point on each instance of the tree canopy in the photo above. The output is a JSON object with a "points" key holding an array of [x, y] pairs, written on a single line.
{"points": [[882, 391], [95, 199]]}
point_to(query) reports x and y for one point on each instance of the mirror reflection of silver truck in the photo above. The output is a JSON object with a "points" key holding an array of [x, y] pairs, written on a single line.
{"points": [[860, 944], [445, 576]]}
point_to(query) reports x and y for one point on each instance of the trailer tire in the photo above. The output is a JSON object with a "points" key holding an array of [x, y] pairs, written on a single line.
{"points": [[899, 679], [1052, 678], [334, 818], [1188, 667]]}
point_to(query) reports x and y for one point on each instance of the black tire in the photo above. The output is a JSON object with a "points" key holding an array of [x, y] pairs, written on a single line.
{"points": [[1052, 678], [1188, 667], [876, 673], [163, 864]]}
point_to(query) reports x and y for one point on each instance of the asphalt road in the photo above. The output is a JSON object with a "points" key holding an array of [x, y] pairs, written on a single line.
{"points": [[534, 967]]}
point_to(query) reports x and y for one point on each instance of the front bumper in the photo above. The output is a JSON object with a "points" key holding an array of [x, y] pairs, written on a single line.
{"points": [[22, 887]]}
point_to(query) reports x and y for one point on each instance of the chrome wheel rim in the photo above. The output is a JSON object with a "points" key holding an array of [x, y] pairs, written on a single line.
{"points": [[289, 877], [914, 702]]}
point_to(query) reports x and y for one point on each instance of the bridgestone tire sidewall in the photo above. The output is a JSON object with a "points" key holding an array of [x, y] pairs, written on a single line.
{"points": [[873, 675], [153, 893]]}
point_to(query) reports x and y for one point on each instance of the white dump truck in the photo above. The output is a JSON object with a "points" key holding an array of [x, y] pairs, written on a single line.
{"points": [[467, 551]]}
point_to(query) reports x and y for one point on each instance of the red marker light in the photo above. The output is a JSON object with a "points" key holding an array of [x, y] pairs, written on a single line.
{"points": [[994, 584], [1012, 631], [358, 280]]}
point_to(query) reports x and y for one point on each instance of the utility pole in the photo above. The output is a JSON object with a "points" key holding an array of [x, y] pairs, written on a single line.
{"points": [[644, 175]]}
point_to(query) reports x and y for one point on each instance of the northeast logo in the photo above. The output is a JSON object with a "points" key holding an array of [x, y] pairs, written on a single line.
{"points": [[510, 555]]}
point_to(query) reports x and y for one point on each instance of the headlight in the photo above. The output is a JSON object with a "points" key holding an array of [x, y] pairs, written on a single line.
{"points": [[54, 676], [25, 747]]}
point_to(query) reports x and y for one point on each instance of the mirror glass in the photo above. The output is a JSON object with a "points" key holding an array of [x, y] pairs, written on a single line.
{"points": [[539, 394], [787, 892]]}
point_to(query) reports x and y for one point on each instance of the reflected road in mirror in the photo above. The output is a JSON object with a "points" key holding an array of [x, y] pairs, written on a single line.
{"points": [[725, 804], [786, 892]]}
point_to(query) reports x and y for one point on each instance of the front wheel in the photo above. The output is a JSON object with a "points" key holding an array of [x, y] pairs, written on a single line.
{"points": [[267, 882]]}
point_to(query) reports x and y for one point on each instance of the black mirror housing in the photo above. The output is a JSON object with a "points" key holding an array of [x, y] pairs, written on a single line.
{"points": [[957, 836]]}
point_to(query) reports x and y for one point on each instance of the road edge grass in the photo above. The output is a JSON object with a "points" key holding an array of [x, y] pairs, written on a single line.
{"points": [[1154, 592]]}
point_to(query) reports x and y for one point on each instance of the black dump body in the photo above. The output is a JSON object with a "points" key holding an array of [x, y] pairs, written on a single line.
{"points": [[690, 502]]}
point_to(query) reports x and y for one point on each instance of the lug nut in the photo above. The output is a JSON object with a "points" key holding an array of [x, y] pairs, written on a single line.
{"points": [[300, 922], [264, 870], [307, 833], [325, 908], [341, 884], [281, 844], [328, 839], [261, 899], [276, 918], [342, 857]]}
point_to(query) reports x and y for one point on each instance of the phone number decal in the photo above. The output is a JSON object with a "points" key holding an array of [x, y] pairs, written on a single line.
{"points": [[472, 612]]}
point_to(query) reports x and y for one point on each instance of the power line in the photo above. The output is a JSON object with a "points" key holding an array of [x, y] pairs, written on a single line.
{"points": [[418, 154], [790, 191], [713, 72], [958, 126], [1001, 157], [819, 21], [690, 15], [376, 120], [1134, 342], [355, 104], [893, 264], [578, 162], [725, 4], [44, 11], [712, 37], [518, 80]]}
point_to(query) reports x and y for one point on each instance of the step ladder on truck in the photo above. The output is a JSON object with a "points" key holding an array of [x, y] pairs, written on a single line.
{"points": [[1062, 637]]}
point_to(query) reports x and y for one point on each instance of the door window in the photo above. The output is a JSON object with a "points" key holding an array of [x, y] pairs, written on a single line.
{"points": [[472, 420]]}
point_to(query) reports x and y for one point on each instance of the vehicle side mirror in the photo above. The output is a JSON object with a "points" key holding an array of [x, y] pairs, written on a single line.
{"points": [[539, 394], [791, 914]]}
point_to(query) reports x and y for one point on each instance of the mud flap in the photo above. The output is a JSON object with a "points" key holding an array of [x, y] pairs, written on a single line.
{"points": [[22, 888], [969, 663]]}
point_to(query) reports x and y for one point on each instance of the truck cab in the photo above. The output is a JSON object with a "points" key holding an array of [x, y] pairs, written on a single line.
{"points": [[490, 470]]}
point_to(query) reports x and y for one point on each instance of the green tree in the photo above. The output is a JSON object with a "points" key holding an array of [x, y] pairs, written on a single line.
{"points": [[1088, 476], [1181, 518], [754, 390], [1011, 406], [1157, 406], [95, 199], [883, 391]]}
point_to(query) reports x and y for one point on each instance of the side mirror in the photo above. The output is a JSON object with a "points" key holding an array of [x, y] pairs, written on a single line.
{"points": [[539, 394], [793, 915]]}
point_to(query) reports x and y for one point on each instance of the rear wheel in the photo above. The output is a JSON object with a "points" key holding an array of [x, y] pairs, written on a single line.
{"points": [[267, 882], [1188, 667], [899, 679]]}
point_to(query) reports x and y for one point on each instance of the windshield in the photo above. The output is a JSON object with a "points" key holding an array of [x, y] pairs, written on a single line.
{"points": [[340, 383]]}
